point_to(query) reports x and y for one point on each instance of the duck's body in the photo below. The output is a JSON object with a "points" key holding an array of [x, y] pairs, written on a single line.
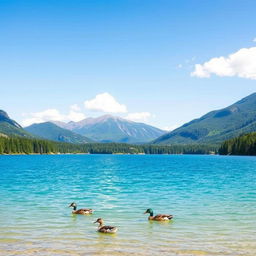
{"points": [[80, 211], [158, 217], [105, 229], [83, 211], [161, 217]]}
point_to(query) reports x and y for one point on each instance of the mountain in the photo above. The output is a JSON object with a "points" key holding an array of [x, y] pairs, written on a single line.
{"points": [[9, 127], [109, 128], [51, 131], [216, 126]]}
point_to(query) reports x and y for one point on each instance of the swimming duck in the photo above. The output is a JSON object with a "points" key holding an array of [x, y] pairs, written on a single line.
{"points": [[105, 229], [159, 217], [80, 211]]}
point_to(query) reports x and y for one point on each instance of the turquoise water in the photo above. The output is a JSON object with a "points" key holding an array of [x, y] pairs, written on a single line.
{"points": [[212, 198]]}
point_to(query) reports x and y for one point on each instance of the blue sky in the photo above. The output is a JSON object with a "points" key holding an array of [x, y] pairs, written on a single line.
{"points": [[132, 58]]}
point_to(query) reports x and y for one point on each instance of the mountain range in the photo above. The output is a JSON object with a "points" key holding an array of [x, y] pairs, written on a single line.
{"points": [[216, 126], [109, 128], [102, 129], [212, 128]]}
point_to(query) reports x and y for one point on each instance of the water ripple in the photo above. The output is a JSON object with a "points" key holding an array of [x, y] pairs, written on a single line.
{"points": [[212, 198]]}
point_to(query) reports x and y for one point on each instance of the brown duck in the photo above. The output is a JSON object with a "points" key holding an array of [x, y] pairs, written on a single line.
{"points": [[105, 229], [80, 211], [158, 217]]}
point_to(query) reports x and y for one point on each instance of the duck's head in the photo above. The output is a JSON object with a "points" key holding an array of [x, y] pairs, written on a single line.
{"points": [[149, 210], [73, 204], [99, 220]]}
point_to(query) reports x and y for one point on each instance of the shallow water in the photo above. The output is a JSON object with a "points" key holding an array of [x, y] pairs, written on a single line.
{"points": [[212, 198]]}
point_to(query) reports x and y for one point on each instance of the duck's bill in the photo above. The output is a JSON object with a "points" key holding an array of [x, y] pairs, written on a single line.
{"points": [[144, 212]]}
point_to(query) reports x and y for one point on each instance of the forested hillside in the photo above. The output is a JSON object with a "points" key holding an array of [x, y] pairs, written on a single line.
{"points": [[216, 126], [243, 145], [51, 131], [10, 127]]}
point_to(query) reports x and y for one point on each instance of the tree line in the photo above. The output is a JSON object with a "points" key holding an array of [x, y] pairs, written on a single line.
{"points": [[18, 145], [242, 145]]}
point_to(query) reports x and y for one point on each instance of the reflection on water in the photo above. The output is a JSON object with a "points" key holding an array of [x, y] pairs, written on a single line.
{"points": [[212, 199]]}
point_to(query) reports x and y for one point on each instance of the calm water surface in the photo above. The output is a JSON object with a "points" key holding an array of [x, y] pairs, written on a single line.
{"points": [[213, 199]]}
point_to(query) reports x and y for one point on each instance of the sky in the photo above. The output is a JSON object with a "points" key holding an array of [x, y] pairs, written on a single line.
{"points": [[160, 62]]}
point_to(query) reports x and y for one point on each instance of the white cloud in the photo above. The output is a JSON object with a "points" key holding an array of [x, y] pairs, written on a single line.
{"points": [[102, 102], [241, 63], [105, 102], [254, 40], [43, 116], [53, 115], [139, 116], [75, 116]]}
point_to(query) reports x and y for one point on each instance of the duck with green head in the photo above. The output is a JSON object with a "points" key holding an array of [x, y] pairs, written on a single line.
{"points": [[80, 211], [158, 217]]}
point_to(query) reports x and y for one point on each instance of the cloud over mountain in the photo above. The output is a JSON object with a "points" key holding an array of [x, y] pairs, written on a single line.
{"points": [[53, 115], [105, 102]]}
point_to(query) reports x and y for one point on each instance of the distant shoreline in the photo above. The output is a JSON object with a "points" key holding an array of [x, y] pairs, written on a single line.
{"points": [[21, 154]]}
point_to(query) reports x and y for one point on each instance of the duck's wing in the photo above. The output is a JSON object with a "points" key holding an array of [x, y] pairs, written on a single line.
{"points": [[108, 229], [87, 210], [163, 217], [84, 211]]}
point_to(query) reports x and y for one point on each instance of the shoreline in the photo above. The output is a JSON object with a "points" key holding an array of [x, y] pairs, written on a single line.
{"points": [[20, 154]]}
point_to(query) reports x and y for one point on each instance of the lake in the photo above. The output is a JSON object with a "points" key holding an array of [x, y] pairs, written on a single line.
{"points": [[212, 198]]}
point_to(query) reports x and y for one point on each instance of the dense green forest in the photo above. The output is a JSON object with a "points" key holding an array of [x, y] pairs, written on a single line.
{"points": [[242, 145], [18, 145]]}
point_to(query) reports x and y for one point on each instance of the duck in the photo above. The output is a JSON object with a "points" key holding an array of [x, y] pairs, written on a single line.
{"points": [[80, 211], [105, 229], [158, 217]]}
